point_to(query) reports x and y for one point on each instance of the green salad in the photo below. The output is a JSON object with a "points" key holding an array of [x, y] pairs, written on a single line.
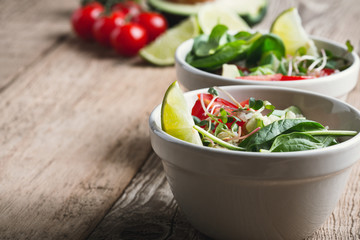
{"points": [[286, 53], [257, 126]]}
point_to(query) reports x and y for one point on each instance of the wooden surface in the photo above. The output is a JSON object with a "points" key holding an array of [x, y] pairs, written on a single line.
{"points": [[76, 160]]}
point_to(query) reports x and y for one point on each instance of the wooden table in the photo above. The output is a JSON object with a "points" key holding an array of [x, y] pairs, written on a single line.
{"points": [[76, 160]]}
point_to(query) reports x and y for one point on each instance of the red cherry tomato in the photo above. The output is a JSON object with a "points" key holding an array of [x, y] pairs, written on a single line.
{"points": [[84, 18], [129, 39], [198, 110], [274, 77], [154, 23], [104, 25], [293, 78], [128, 7]]}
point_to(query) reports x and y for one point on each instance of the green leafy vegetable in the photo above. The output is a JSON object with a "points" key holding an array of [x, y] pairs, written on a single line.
{"points": [[260, 54], [229, 52], [216, 38], [265, 136], [266, 44], [213, 91], [255, 104], [295, 141]]}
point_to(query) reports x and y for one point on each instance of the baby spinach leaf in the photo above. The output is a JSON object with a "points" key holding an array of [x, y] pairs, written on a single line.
{"points": [[295, 141], [326, 140], [229, 52], [265, 44], [217, 37], [270, 60], [263, 138], [243, 35]]}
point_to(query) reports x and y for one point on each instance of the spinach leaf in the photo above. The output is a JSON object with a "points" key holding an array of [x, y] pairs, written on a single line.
{"points": [[270, 60], [207, 46], [243, 35], [226, 53], [267, 43], [263, 138], [295, 141], [326, 140]]}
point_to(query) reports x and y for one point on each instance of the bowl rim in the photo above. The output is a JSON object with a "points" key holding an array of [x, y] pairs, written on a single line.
{"points": [[156, 129], [225, 80]]}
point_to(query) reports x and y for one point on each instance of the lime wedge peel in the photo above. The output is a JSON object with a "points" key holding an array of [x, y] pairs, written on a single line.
{"points": [[161, 52], [176, 118], [212, 14], [289, 28]]}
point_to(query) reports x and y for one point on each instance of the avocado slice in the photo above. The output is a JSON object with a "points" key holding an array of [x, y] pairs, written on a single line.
{"points": [[251, 11]]}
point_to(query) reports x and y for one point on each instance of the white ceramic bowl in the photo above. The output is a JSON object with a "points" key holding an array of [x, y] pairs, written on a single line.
{"points": [[248, 195], [337, 85]]}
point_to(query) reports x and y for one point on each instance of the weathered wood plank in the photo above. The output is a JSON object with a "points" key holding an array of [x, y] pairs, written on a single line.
{"points": [[72, 138], [28, 31]]}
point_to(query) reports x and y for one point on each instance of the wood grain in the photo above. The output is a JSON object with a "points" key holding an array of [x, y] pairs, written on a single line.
{"points": [[30, 30], [72, 139]]}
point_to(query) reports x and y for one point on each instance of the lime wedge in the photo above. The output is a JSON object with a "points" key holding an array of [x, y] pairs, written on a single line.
{"points": [[162, 51], [289, 28], [176, 118], [212, 14]]}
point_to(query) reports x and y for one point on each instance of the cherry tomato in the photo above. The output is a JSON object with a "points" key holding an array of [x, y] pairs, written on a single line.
{"points": [[84, 18], [293, 78], [198, 110], [154, 23], [128, 7], [273, 77], [129, 39], [104, 25]]}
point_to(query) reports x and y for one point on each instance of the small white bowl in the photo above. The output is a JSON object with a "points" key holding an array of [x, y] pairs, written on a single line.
{"points": [[337, 85], [249, 195]]}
